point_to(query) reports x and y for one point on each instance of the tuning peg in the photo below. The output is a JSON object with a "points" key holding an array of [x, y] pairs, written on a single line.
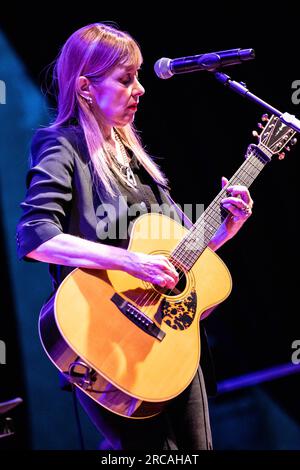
{"points": [[255, 134], [293, 141], [260, 125], [265, 117], [281, 156], [288, 148]]}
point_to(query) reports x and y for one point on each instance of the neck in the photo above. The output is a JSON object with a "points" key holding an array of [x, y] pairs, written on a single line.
{"points": [[108, 133], [115, 147], [110, 141]]}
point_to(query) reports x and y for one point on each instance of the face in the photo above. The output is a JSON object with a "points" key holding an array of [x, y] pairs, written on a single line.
{"points": [[116, 97]]}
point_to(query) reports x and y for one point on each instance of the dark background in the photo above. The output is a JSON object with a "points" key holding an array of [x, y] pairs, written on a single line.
{"points": [[201, 131]]}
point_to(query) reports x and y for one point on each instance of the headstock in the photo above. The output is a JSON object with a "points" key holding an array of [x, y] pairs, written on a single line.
{"points": [[275, 135]]}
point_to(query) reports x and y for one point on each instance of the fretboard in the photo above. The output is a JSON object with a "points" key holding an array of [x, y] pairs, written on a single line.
{"points": [[199, 235]]}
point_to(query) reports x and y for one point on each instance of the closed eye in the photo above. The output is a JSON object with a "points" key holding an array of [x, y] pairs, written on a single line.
{"points": [[128, 78]]}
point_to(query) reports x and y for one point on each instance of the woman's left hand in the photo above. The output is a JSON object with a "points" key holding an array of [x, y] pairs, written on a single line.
{"points": [[239, 203]]}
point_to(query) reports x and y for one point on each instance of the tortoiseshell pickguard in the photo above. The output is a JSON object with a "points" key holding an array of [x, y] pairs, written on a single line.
{"points": [[179, 315]]}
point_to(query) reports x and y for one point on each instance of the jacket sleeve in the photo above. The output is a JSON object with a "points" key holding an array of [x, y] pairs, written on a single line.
{"points": [[49, 191]]}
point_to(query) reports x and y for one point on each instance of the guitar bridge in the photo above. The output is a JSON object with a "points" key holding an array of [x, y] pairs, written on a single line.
{"points": [[137, 317]]}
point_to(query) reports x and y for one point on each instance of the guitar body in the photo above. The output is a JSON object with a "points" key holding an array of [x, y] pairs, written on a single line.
{"points": [[132, 346]]}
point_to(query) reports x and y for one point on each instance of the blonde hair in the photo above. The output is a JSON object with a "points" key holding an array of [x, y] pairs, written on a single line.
{"points": [[93, 51]]}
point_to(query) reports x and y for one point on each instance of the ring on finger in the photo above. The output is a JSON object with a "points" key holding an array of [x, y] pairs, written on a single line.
{"points": [[246, 210]]}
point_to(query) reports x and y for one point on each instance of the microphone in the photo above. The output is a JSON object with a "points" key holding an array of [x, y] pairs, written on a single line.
{"points": [[166, 68]]}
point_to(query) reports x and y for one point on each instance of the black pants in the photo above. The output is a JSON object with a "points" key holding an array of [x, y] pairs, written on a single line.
{"points": [[183, 425]]}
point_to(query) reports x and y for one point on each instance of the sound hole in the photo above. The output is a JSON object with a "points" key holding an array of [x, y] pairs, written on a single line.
{"points": [[178, 289]]}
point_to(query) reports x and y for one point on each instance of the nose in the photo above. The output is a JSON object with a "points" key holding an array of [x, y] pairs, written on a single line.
{"points": [[139, 90]]}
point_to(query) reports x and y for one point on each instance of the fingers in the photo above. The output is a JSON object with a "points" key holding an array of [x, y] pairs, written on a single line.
{"points": [[166, 265], [235, 201], [164, 281], [237, 207], [239, 201], [165, 273], [224, 181], [238, 190], [241, 212], [155, 269], [241, 192]]}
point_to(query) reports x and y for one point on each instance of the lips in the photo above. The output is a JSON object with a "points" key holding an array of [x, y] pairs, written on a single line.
{"points": [[133, 106]]}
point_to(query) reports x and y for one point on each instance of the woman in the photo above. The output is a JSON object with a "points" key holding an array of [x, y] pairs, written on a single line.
{"points": [[91, 156]]}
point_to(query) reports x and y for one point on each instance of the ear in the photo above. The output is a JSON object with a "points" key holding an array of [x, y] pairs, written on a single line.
{"points": [[83, 87]]}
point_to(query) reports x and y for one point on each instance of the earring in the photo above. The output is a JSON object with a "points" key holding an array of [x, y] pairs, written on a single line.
{"points": [[89, 100]]}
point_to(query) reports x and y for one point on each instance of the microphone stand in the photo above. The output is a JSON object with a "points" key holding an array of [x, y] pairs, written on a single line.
{"points": [[240, 88]]}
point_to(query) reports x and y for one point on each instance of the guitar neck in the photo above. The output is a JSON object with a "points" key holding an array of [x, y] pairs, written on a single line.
{"points": [[199, 235]]}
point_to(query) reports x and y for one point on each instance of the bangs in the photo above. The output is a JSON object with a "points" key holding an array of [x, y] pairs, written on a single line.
{"points": [[131, 55], [111, 51]]}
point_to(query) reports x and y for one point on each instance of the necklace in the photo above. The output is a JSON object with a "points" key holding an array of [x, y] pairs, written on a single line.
{"points": [[125, 168]]}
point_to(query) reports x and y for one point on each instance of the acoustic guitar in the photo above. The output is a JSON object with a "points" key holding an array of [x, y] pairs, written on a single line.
{"points": [[128, 344]]}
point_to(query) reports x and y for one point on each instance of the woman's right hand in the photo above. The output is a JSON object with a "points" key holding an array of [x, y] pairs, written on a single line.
{"points": [[156, 269]]}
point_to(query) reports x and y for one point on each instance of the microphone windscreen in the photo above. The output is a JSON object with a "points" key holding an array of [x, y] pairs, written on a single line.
{"points": [[162, 68]]}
